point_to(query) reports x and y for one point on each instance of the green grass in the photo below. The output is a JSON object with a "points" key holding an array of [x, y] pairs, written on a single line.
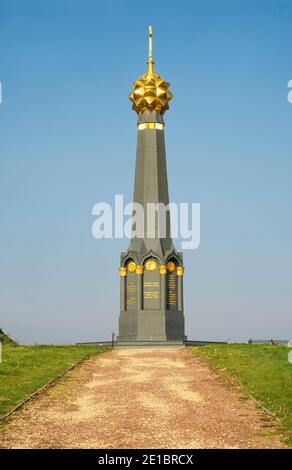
{"points": [[26, 368], [263, 371]]}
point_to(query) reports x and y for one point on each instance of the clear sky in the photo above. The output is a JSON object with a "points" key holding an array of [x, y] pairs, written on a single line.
{"points": [[68, 139]]}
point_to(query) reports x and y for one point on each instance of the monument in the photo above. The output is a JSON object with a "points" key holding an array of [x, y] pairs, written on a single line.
{"points": [[151, 271]]}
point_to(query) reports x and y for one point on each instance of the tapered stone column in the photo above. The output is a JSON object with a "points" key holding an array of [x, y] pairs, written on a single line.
{"points": [[139, 273], [152, 305], [123, 274], [180, 273]]}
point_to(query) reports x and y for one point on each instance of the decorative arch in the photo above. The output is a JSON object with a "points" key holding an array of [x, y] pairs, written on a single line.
{"points": [[149, 255], [129, 257], [174, 257]]}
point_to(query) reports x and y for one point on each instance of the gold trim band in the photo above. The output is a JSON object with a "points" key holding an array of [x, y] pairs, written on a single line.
{"points": [[122, 271], [150, 125], [163, 269], [139, 269], [180, 271]]}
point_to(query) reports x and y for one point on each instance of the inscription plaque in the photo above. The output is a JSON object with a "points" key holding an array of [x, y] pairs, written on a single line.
{"points": [[131, 291], [171, 291], [151, 290]]}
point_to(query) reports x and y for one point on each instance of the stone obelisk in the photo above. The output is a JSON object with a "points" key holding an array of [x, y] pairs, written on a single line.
{"points": [[151, 271]]}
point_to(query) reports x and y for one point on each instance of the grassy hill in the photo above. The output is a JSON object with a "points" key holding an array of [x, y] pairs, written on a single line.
{"points": [[262, 371], [5, 339], [27, 368]]}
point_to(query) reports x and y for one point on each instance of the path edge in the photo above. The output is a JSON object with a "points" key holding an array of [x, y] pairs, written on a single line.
{"points": [[228, 381], [43, 388]]}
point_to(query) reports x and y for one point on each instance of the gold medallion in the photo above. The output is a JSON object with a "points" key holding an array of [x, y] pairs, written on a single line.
{"points": [[170, 266], [151, 265], [131, 267]]}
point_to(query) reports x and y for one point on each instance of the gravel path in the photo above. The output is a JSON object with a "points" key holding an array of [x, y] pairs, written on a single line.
{"points": [[155, 398]]}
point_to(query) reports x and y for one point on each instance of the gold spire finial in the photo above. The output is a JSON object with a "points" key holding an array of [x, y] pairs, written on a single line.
{"points": [[150, 62], [150, 92]]}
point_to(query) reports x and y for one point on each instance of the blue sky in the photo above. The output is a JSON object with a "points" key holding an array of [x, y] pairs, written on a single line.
{"points": [[68, 139]]}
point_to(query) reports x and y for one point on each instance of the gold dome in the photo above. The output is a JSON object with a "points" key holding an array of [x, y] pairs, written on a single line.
{"points": [[150, 91]]}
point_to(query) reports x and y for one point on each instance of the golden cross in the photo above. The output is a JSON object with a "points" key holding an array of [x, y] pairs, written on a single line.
{"points": [[150, 42]]}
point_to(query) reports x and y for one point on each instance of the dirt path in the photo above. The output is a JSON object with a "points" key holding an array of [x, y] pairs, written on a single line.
{"points": [[140, 399]]}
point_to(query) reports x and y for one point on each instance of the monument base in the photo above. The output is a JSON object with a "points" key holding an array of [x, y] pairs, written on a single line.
{"points": [[149, 344], [151, 326]]}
